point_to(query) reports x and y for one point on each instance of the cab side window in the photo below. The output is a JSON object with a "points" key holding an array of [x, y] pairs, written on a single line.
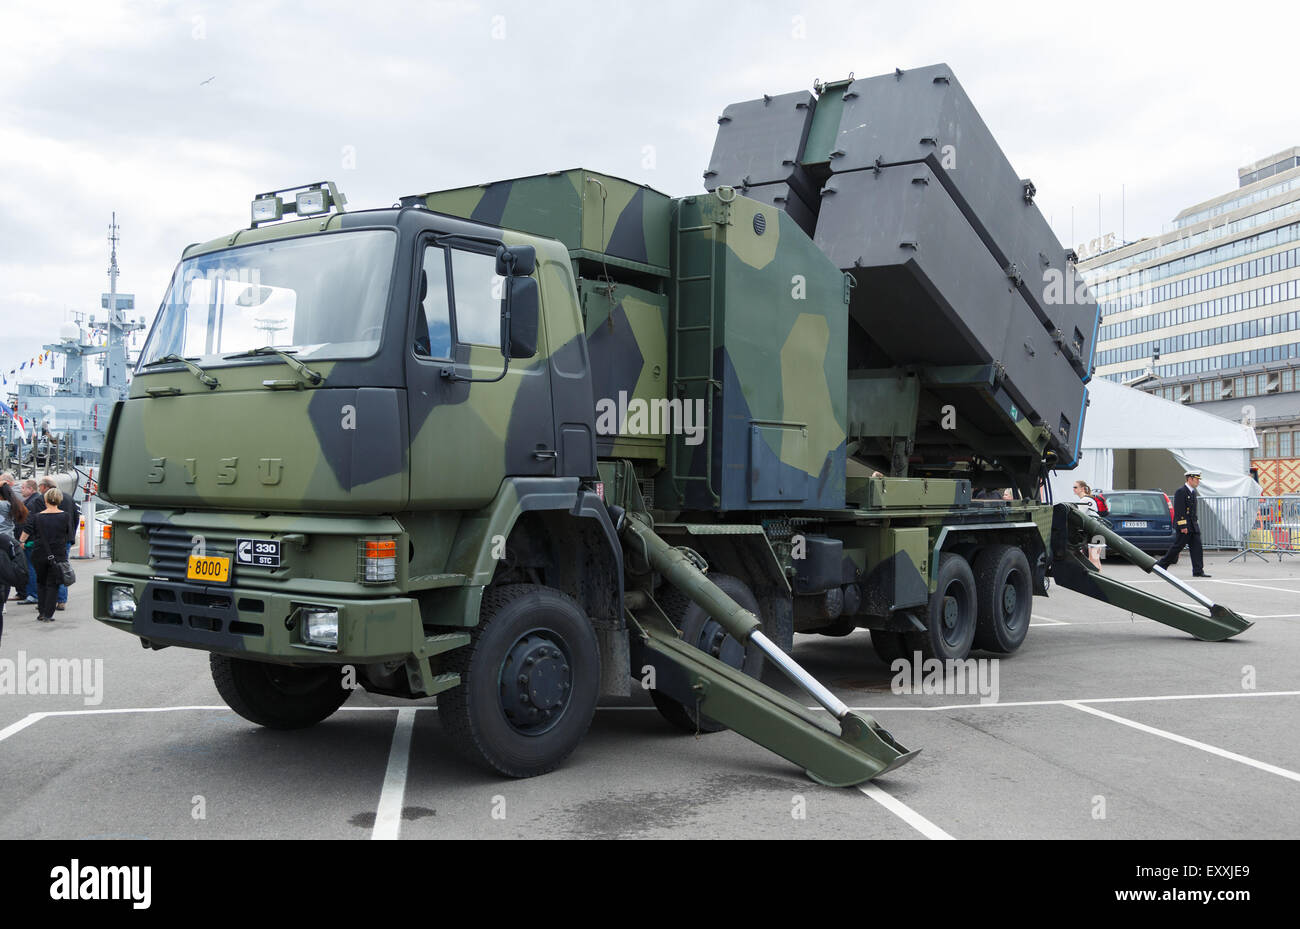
{"points": [[478, 292], [433, 327]]}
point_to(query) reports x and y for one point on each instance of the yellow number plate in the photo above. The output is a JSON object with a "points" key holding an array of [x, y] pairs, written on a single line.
{"points": [[210, 568]]}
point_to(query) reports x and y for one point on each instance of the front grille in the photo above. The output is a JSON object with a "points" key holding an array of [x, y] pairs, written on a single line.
{"points": [[170, 548], [206, 618], [169, 551]]}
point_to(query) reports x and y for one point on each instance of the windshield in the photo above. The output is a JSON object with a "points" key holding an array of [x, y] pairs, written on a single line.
{"points": [[319, 296]]}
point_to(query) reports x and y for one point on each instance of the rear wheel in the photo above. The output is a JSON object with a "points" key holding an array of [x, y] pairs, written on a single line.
{"points": [[890, 646], [278, 696], [951, 615], [1004, 593], [529, 681], [705, 633]]}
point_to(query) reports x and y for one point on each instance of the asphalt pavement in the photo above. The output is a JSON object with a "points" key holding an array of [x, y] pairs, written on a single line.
{"points": [[1104, 725]]}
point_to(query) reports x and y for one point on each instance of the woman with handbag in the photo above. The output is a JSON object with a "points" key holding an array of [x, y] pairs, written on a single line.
{"points": [[49, 529]]}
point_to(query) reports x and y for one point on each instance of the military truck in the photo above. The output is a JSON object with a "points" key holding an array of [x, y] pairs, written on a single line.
{"points": [[524, 445]]}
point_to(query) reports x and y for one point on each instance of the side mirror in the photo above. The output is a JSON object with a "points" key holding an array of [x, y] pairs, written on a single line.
{"points": [[516, 260], [519, 329]]}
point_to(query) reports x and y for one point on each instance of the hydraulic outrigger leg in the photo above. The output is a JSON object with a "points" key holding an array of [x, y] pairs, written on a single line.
{"points": [[857, 750], [1070, 531]]}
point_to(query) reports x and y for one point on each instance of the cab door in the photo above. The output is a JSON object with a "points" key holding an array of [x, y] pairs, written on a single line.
{"points": [[470, 428]]}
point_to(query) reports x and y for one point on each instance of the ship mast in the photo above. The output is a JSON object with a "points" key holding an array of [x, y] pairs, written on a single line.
{"points": [[115, 366]]}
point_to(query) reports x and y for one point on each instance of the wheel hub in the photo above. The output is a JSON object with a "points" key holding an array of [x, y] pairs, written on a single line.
{"points": [[1009, 600], [536, 682], [950, 612], [716, 641]]}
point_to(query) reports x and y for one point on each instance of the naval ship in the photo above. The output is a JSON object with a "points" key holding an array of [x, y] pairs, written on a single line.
{"points": [[60, 427]]}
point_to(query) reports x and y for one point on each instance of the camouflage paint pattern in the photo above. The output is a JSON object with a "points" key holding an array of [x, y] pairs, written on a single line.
{"points": [[585, 210], [760, 336]]}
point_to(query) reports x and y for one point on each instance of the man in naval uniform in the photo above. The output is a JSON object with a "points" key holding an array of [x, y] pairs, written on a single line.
{"points": [[1187, 529]]}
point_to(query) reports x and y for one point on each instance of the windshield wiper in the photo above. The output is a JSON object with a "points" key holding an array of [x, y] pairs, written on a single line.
{"points": [[312, 377], [211, 382]]}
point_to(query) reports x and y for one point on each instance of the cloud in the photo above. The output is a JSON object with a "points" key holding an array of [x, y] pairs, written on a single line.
{"points": [[103, 108]]}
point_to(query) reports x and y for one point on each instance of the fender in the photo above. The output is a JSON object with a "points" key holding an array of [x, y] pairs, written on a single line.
{"points": [[472, 552]]}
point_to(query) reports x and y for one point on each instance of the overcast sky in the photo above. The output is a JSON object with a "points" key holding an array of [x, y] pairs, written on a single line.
{"points": [[175, 113]]}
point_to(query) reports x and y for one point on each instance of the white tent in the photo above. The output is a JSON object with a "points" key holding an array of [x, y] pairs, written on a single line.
{"points": [[1133, 440]]}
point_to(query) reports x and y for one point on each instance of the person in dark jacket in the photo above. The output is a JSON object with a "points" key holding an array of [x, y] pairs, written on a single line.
{"points": [[69, 507], [13, 513], [35, 503], [1189, 528], [49, 529]]}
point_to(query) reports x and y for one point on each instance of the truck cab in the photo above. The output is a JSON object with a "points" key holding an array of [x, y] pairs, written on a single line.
{"points": [[335, 427]]}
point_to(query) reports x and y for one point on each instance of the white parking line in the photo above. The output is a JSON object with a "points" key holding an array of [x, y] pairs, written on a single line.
{"points": [[19, 726], [1183, 740], [388, 816], [1215, 580], [904, 812], [1285, 590], [998, 706], [1045, 621], [1101, 622], [134, 709], [1271, 615]]}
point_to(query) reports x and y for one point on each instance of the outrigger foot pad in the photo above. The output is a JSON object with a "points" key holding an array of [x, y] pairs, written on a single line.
{"points": [[873, 741]]}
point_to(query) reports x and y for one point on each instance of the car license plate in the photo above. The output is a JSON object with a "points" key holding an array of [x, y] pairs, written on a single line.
{"points": [[1135, 524], [212, 569]]}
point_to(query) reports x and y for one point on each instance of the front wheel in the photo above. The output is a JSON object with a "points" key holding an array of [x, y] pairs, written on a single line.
{"points": [[529, 681], [278, 696]]}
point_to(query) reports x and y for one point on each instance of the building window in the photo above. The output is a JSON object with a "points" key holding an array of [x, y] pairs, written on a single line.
{"points": [[1251, 383], [1284, 445], [1270, 445], [1287, 379], [1196, 392]]}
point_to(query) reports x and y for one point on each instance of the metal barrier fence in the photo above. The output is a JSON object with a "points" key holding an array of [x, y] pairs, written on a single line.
{"points": [[1251, 525]]}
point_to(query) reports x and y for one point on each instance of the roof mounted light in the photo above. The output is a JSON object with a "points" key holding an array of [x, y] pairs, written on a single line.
{"points": [[267, 209], [315, 199]]}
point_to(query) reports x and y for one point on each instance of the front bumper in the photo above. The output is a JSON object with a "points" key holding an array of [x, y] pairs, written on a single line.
{"points": [[257, 623]]}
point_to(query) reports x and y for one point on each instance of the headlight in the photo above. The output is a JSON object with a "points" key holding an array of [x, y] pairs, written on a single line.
{"points": [[320, 626], [121, 603]]}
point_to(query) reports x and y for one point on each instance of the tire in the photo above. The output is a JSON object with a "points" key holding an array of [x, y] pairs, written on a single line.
{"points": [[950, 615], [704, 633], [517, 723], [1004, 594], [890, 646], [278, 696]]}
